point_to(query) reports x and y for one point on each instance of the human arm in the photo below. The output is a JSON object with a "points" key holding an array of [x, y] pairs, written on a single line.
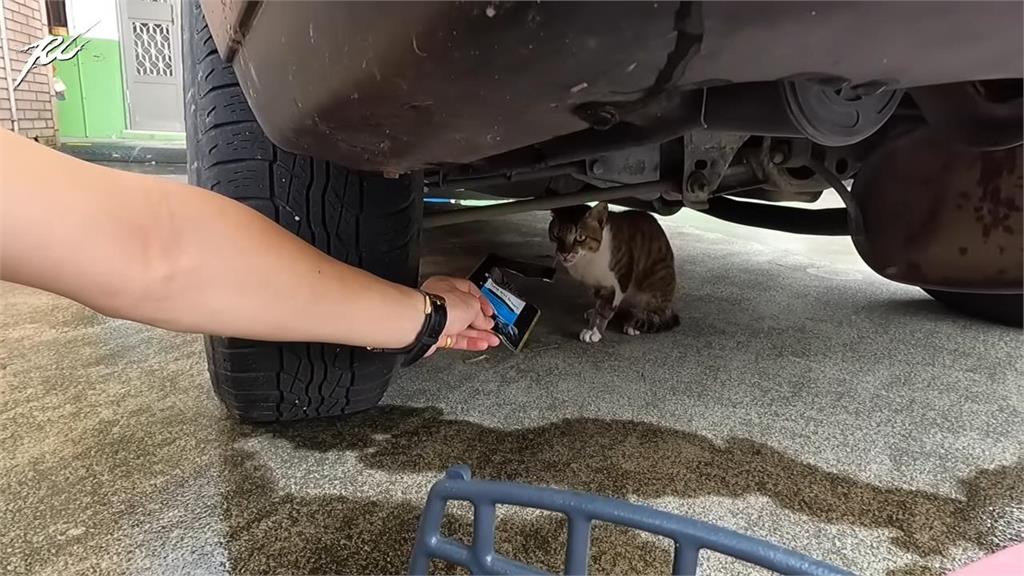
{"points": [[179, 257]]}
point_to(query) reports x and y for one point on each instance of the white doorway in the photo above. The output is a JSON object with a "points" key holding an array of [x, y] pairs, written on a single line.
{"points": [[151, 51]]}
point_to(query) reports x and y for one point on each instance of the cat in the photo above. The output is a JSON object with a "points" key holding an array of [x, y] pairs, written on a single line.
{"points": [[626, 258]]}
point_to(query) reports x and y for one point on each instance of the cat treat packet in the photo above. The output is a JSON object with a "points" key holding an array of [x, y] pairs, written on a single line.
{"points": [[514, 317]]}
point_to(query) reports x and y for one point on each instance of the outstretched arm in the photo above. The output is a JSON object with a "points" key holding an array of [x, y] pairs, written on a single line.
{"points": [[179, 257]]}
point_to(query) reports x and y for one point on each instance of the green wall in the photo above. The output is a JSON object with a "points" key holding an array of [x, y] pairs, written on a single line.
{"points": [[94, 106], [70, 114]]}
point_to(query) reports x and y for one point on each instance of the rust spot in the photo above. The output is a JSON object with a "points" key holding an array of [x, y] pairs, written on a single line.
{"points": [[994, 210], [1002, 249], [962, 250]]}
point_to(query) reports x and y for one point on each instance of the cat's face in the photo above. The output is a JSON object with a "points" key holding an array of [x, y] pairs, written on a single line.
{"points": [[577, 230]]}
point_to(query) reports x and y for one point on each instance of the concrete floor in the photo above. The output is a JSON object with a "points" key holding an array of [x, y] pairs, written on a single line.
{"points": [[803, 400]]}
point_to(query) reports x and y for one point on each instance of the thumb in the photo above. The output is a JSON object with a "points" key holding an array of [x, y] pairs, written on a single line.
{"points": [[485, 305], [477, 315], [463, 310], [482, 321]]}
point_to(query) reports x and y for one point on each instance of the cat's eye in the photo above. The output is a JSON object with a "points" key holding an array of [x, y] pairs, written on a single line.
{"points": [[580, 237]]}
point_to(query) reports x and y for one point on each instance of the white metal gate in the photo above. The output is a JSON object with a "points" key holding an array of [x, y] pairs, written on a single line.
{"points": [[151, 49]]}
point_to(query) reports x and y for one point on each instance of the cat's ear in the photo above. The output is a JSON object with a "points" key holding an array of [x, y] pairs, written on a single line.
{"points": [[599, 213]]}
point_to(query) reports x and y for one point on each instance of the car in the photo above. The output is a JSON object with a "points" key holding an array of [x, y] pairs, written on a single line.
{"points": [[334, 118]]}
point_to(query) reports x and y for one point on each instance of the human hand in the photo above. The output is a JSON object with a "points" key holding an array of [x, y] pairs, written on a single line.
{"points": [[469, 314]]}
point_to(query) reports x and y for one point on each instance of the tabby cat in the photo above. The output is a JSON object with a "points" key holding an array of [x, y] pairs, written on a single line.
{"points": [[626, 258]]}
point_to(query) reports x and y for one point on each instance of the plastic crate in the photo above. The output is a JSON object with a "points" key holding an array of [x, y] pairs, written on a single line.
{"points": [[582, 509]]}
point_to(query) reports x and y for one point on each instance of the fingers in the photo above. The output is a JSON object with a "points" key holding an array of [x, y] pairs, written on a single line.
{"points": [[464, 342], [468, 339], [489, 337]]}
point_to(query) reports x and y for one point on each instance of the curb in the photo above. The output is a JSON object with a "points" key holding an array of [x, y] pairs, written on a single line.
{"points": [[134, 152]]}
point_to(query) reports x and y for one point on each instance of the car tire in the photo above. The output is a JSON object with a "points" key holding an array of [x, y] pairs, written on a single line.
{"points": [[1002, 308], [362, 219]]}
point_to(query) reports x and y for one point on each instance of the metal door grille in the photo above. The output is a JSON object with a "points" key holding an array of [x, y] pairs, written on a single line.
{"points": [[152, 44]]}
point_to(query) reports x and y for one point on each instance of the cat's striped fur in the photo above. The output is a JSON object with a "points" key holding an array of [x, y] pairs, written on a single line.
{"points": [[626, 258]]}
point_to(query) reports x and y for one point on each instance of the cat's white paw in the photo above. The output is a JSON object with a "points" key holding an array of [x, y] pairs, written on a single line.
{"points": [[631, 330], [590, 335]]}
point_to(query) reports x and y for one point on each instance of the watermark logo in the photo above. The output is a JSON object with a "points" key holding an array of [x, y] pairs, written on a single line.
{"points": [[50, 49]]}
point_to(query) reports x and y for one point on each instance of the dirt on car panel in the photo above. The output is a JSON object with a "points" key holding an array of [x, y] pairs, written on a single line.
{"points": [[613, 457], [994, 209]]}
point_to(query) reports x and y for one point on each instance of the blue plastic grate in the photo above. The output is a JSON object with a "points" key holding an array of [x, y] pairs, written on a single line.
{"points": [[582, 509]]}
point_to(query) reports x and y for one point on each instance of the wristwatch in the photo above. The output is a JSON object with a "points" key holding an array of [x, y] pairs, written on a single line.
{"points": [[435, 317]]}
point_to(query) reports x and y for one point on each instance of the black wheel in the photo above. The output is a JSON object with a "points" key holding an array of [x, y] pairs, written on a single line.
{"points": [[1003, 308], [359, 218]]}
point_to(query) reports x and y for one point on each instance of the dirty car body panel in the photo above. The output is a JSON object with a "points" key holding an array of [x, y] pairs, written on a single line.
{"points": [[705, 99], [402, 86]]}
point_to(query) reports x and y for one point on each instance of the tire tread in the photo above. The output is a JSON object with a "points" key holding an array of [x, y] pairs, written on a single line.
{"points": [[361, 219]]}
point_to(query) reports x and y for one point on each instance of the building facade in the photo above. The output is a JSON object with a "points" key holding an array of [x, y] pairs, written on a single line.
{"points": [[126, 82], [28, 107]]}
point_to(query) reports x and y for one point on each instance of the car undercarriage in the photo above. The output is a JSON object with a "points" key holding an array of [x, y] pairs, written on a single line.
{"points": [[912, 112], [655, 106]]}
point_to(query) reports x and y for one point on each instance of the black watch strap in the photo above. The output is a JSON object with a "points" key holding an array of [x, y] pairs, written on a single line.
{"points": [[433, 327], [434, 321]]}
